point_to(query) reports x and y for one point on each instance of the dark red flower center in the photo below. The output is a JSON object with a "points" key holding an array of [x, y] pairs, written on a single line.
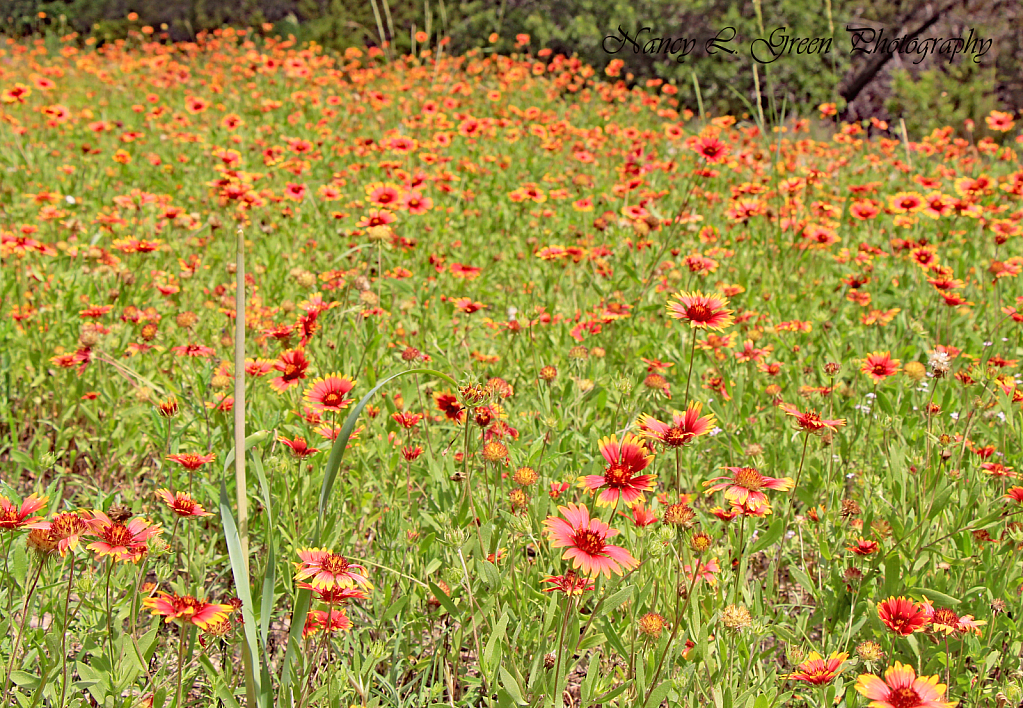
{"points": [[946, 618], [675, 437], [589, 542], [699, 313], [118, 535], [749, 478], [332, 399], [618, 475], [905, 697], [334, 563]]}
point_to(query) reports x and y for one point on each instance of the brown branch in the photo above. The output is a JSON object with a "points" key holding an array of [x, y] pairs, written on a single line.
{"points": [[852, 88]]}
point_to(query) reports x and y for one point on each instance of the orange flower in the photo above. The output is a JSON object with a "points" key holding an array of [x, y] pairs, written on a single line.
{"points": [[902, 616], [181, 503], [191, 461], [701, 311], [811, 421], [901, 688], [329, 393], [817, 670], [14, 517], [879, 366], [585, 539], [742, 489], [620, 480], [329, 569], [186, 609], [123, 542], [683, 429]]}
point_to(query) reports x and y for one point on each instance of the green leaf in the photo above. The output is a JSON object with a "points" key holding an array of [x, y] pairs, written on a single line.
{"points": [[934, 595], [512, 686], [443, 599], [24, 679], [495, 637], [269, 577], [614, 601], [395, 608], [337, 453], [337, 450], [240, 570], [774, 532], [659, 693]]}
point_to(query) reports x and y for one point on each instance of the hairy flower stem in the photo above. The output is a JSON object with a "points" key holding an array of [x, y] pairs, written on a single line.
{"points": [[561, 650], [135, 596], [110, 621], [692, 358], [741, 543], [870, 423], [7, 572], [788, 517], [63, 639], [679, 613], [181, 664], [21, 626], [678, 469]]}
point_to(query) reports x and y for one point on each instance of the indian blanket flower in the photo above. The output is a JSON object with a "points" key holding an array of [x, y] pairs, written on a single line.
{"points": [[817, 670], [621, 479], [299, 447], [191, 460], [711, 149], [945, 621], [879, 366], [16, 517], [683, 428], [586, 541], [181, 503], [571, 583], [330, 393], [701, 311], [123, 542], [742, 489], [902, 688], [335, 620], [328, 569], [335, 595], [65, 529], [902, 616], [186, 609], [292, 365], [811, 421]]}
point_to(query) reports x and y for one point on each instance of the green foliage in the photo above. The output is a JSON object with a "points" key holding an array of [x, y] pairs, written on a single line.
{"points": [[943, 96]]}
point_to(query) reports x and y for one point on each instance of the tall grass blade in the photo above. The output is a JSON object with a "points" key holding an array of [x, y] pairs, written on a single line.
{"points": [[337, 453]]}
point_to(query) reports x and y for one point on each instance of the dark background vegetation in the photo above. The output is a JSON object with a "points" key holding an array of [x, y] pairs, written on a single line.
{"points": [[933, 92]]}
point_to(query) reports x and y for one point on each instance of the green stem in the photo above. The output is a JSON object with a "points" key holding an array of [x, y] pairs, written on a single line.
{"points": [[21, 626], [63, 639], [692, 358]]}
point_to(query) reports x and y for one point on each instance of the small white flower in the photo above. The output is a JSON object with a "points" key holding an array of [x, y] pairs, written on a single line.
{"points": [[512, 311], [69, 199], [988, 344], [954, 416], [714, 431], [871, 395]]}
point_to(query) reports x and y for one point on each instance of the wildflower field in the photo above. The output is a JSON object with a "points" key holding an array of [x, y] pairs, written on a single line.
{"points": [[551, 391]]}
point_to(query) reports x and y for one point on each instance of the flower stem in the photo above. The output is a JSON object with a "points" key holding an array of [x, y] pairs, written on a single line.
{"points": [[63, 639], [674, 630], [21, 626], [692, 357], [110, 622], [181, 665]]}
